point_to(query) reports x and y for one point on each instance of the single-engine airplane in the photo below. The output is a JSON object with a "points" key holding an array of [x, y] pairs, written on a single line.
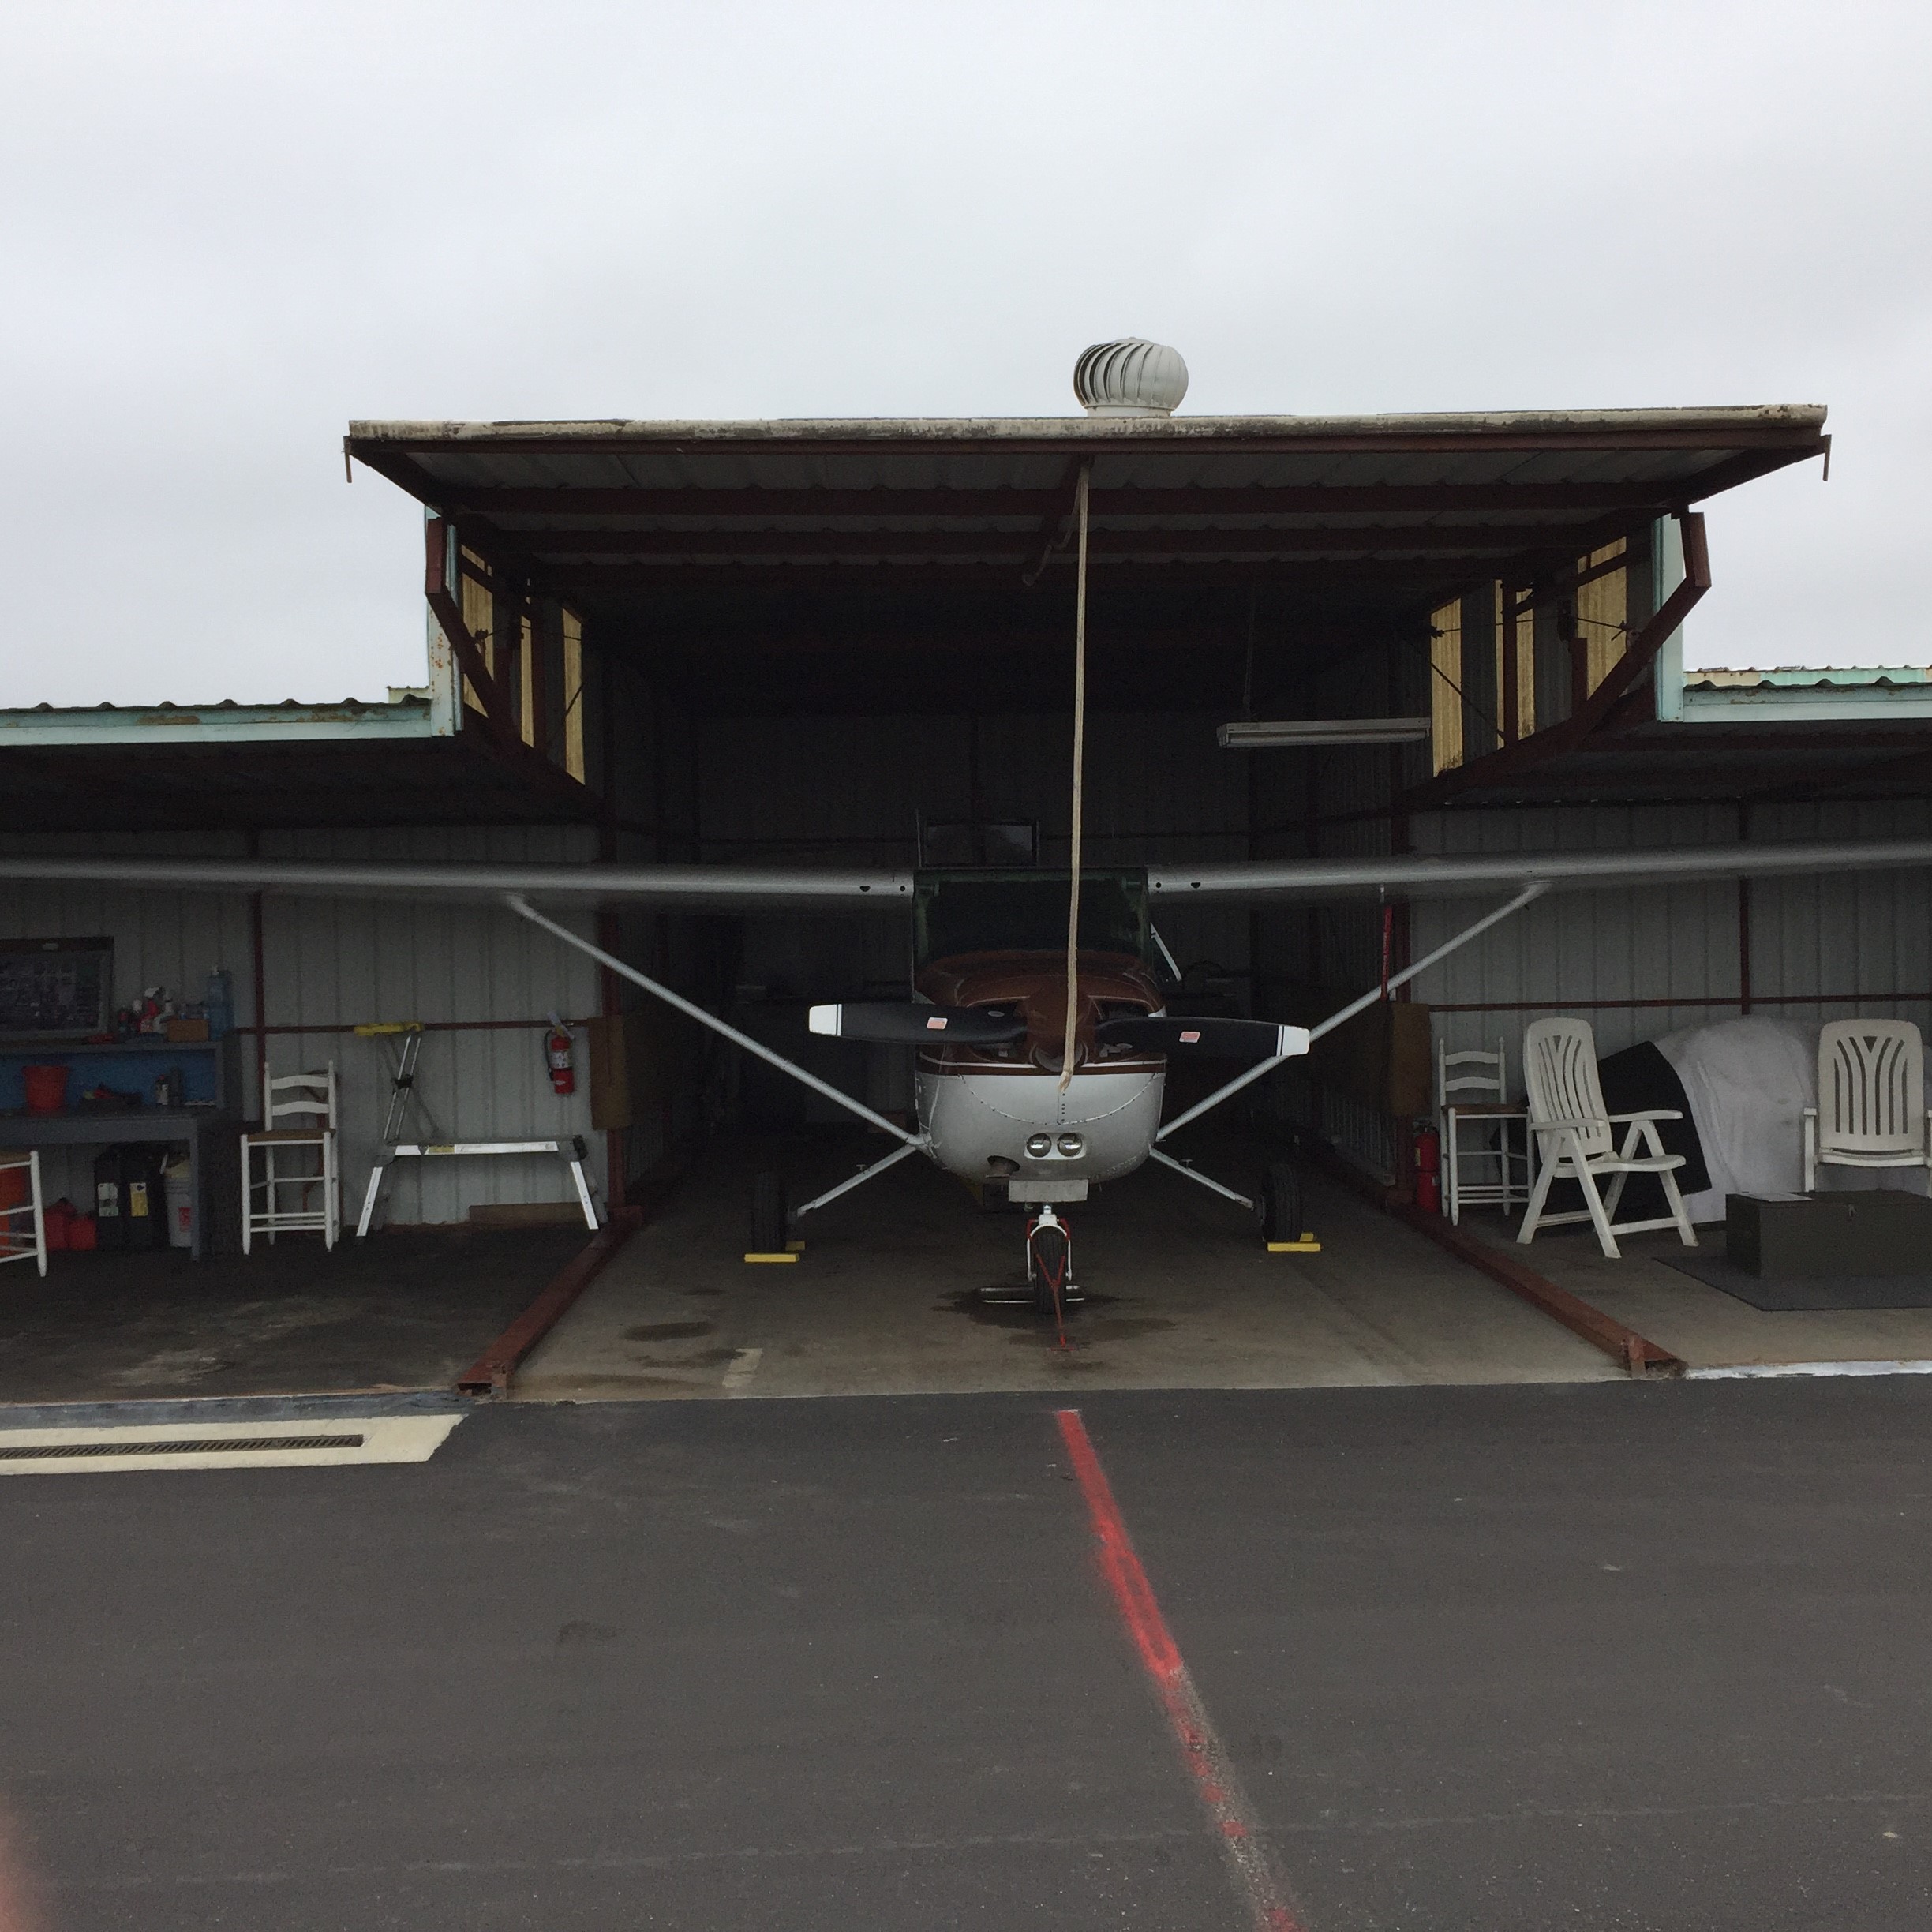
{"points": [[1002, 1099]]}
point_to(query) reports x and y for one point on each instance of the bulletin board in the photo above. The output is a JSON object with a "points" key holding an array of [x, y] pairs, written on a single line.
{"points": [[56, 989]]}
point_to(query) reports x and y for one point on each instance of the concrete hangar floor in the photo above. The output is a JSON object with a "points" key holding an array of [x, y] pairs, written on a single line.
{"points": [[887, 1297]]}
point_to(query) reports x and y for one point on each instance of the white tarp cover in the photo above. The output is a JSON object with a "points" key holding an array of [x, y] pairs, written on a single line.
{"points": [[1748, 1083]]}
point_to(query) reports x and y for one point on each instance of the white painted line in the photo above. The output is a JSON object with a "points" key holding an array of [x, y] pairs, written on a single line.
{"points": [[738, 1376], [1740, 1372], [292, 1443]]}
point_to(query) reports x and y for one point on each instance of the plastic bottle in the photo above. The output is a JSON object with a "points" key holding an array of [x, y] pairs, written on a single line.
{"points": [[220, 1002]]}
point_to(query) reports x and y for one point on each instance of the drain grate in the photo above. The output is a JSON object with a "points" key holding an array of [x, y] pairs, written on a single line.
{"points": [[186, 1445]]}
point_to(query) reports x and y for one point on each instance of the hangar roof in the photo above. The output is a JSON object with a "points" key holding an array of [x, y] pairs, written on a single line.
{"points": [[604, 507], [223, 765]]}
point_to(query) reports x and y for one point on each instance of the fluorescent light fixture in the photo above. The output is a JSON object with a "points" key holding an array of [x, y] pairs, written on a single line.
{"points": [[1262, 733]]}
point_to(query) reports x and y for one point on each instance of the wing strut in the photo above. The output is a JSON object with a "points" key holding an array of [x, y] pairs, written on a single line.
{"points": [[518, 905], [1535, 890]]}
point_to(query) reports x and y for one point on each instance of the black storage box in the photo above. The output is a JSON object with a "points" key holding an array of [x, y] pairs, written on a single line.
{"points": [[130, 1205], [1875, 1231]]}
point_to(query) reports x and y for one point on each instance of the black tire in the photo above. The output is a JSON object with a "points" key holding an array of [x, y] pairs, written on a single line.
{"points": [[1046, 1249], [1281, 1204], [770, 1230]]}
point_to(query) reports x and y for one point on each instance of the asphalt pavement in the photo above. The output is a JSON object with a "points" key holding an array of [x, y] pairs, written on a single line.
{"points": [[1598, 1655]]}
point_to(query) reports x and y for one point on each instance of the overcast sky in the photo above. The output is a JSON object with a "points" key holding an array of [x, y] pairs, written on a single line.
{"points": [[228, 229]]}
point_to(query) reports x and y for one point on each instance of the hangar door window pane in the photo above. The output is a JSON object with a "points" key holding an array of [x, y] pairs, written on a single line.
{"points": [[479, 616], [573, 695], [1445, 685], [1602, 613]]}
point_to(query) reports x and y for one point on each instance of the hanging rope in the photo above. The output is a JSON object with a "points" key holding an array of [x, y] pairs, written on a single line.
{"points": [[1080, 758]]}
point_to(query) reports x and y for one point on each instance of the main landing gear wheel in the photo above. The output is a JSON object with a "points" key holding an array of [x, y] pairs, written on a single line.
{"points": [[1281, 1204], [769, 1229]]}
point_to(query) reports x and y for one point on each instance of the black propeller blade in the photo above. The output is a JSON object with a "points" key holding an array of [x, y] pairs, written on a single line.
{"points": [[1206, 1039], [919, 1026]]}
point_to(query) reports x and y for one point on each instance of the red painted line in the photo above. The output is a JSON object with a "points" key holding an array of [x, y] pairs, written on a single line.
{"points": [[1216, 1783]]}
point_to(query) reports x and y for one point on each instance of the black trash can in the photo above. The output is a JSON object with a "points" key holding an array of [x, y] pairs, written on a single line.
{"points": [[130, 1204]]}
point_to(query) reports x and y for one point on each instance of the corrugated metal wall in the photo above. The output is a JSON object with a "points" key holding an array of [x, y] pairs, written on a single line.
{"points": [[333, 964], [1638, 965], [1866, 938]]}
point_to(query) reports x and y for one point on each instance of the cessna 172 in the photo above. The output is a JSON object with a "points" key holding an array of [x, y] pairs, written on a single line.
{"points": [[1017, 1083]]}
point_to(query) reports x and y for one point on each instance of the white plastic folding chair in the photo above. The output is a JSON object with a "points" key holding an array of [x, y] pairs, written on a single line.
{"points": [[29, 1243], [1474, 1086], [1573, 1136], [313, 1095], [1871, 1109]]}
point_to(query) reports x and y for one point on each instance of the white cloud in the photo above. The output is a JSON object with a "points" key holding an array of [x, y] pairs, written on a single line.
{"points": [[229, 229]]}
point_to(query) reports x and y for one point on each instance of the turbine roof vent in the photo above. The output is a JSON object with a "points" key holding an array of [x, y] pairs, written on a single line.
{"points": [[1130, 377]]}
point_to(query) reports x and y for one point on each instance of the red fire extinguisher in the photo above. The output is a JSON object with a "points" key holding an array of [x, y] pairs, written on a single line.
{"points": [[1427, 1167], [557, 1058]]}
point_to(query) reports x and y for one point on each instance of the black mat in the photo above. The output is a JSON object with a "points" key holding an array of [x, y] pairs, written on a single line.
{"points": [[1815, 1292]]}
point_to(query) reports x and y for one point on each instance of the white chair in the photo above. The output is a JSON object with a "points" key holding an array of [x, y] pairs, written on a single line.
{"points": [[28, 1243], [1473, 1086], [312, 1094], [1871, 1109], [1573, 1133]]}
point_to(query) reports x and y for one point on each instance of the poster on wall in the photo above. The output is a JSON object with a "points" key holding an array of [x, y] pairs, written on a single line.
{"points": [[56, 989]]}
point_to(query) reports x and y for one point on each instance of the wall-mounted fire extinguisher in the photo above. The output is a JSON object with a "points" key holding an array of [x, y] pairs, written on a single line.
{"points": [[557, 1056], [1427, 1167]]}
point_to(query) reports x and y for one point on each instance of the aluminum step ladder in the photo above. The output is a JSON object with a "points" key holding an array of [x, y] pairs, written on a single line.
{"points": [[404, 1098]]}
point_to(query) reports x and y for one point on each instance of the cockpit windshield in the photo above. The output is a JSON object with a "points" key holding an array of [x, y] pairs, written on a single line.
{"points": [[1002, 912]]}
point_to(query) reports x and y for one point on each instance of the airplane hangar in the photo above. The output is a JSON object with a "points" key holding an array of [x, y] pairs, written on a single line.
{"points": [[805, 646]]}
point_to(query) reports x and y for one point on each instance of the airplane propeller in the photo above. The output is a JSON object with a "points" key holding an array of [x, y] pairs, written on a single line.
{"points": [[894, 1024], [1206, 1039]]}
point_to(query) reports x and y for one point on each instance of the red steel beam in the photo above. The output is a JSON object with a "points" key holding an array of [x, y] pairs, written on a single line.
{"points": [[1685, 999], [490, 1373], [1639, 1355]]}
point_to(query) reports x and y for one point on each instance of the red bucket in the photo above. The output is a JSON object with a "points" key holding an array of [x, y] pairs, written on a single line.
{"points": [[46, 1089]]}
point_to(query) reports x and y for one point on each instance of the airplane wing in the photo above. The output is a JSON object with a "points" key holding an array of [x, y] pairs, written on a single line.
{"points": [[753, 889], [1256, 881], [669, 888]]}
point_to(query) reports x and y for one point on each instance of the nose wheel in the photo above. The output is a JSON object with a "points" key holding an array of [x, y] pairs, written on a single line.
{"points": [[1049, 1265]]}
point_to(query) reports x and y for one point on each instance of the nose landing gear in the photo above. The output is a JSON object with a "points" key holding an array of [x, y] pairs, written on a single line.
{"points": [[1050, 1267]]}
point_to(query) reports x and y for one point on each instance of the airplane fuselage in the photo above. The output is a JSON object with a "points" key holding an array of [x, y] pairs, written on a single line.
{"points": [[998, 1114]]}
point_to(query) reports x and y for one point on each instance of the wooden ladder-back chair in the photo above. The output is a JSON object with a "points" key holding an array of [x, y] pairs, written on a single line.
{"points": [[1473, 1087], [1573, 1134], [309, 1095], [1871, 1109]]}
